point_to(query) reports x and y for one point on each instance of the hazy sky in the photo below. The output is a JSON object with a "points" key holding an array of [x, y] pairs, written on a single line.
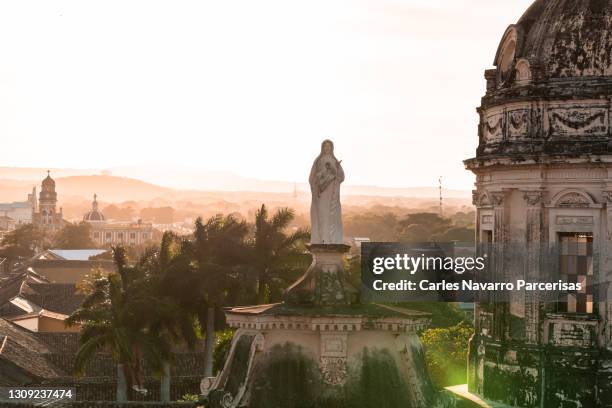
{"points": [[249, 86]]}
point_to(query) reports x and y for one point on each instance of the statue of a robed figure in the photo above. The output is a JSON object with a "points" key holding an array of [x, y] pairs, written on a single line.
{"points": [[325, 178], [326, 342]]}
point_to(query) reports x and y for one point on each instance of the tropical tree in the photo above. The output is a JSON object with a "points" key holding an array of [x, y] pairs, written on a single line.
{"points": [[113, 317], [171, 279], [218, 251], [74, 236], [420, 227], [274, 253], [23, 241]]}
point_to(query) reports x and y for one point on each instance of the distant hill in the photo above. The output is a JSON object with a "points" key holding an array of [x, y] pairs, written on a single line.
{"points": [[108, 188], [15, 183]]}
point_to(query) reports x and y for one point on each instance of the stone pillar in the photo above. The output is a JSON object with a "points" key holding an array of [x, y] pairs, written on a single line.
{"points": [[501, 329], [533, 239], [605, 274]]}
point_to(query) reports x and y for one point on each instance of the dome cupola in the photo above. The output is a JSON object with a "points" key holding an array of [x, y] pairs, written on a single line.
{"points": [[48, 183], [94, 215], [548, 96]]}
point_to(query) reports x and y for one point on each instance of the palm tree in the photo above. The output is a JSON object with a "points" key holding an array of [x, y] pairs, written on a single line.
{"points": [[274, 253], [218, 249], [112, 317], [170, 276]]}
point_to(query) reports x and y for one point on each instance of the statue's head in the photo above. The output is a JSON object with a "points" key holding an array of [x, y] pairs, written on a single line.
{"points": [[327, 147]]}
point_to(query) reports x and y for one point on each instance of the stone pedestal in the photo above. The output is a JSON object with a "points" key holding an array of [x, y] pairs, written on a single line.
{"points": [[320, 349], [324, 283]]}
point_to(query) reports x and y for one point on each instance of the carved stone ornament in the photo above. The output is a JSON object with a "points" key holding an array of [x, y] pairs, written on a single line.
{"points": [[607, 195], [533, 198], [227, 400], [333, 370], [578, 120], [575, 200], [569, 220], [498, 198], [480, 199]]}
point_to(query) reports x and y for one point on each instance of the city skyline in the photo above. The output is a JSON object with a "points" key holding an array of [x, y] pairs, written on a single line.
{"points": [[250, 89]]}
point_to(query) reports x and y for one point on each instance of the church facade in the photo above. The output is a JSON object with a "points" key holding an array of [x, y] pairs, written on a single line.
{"points": [[105, 232], [544, 184]]}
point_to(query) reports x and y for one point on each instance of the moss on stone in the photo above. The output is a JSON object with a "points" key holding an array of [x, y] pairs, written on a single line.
{"points": [[287, 378], [377, 383]]}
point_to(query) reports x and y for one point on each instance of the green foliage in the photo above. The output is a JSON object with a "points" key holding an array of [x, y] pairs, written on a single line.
{"points": [[421, 227], [379, 384], [74, 236], [379, 227], [277, 257], [223, 343], [442, 314], [459, 234], [288, 379], [190, 398], [388, 226], [446, 353], [114, 316], [22, 242]]}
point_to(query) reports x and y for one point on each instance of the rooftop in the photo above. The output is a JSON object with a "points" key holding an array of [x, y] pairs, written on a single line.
{"points": [[70, 254]]}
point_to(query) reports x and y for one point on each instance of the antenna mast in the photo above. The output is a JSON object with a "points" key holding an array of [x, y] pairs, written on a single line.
{"points": [[440, 189]]}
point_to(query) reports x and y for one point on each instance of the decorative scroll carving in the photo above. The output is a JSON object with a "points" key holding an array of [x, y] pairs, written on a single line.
{"points": [[578, 121], [493, 127], [218, 391], [333, 358], [333, 370], [569, 220], [576, 200]]}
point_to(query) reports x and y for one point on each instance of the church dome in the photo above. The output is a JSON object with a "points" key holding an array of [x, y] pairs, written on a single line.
{"points": [[548, 97], [557, 39], [48, 183], [94, 215]]}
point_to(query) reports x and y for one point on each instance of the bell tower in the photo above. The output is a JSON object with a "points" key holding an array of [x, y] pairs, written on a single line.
{"points": [[48, 217]]}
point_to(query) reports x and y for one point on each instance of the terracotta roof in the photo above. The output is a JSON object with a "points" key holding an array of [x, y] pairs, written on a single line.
{"points": [[10, 287], [21, 348], [55, 297], [42, 312]]}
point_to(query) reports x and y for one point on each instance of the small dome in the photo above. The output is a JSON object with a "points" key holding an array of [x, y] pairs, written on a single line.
{"points": [[94, 215]]}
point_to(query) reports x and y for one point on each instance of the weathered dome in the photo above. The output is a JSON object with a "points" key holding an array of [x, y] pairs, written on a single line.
{"points": [[558, 39], [94, 215], [548, 97]]}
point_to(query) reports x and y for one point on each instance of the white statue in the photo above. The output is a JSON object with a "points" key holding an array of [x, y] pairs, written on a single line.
{"points": [[325, 211]]}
